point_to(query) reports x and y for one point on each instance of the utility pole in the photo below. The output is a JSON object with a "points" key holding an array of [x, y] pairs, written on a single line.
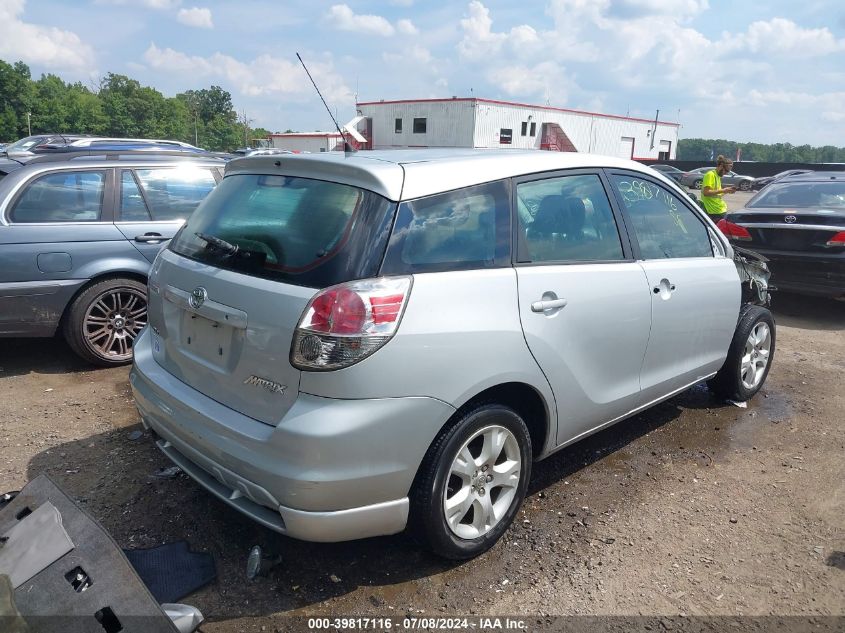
{"points": [[245, 121], [29, 123]]}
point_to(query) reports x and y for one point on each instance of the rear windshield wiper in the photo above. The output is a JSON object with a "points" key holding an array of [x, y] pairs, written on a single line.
{"points": [[233, 253], [216, 242]]}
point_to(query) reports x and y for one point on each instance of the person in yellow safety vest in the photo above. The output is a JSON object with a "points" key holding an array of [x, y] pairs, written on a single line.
{"points": [[712, 190]]}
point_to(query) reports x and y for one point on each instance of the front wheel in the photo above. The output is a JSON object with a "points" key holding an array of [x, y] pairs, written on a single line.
{"points": [[697, 184], [745, 185], [103, 321], [472, 482], [749, 356]]}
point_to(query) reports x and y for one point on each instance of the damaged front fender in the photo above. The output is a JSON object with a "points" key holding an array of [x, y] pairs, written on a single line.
{"points": [[754, 275]]}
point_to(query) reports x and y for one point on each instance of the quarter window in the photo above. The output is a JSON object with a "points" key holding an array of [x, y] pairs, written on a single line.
{"points": [[458, 230], [173, 194], [420, 126], [664, 226], [567, 219], [71, 196]]}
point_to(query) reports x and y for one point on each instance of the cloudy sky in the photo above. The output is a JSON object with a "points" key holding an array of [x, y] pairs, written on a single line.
{"points": [[747, 70]]}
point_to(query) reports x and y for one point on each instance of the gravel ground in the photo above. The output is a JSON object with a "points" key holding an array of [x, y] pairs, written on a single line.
{"points": [[695, 507]]}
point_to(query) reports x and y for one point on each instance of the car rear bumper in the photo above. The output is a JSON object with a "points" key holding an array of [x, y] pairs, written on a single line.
{"points": [[332, 470], [818, 275]]}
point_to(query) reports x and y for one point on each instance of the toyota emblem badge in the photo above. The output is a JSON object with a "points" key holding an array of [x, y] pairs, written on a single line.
{"points": [[790, 219], [198, 297]]}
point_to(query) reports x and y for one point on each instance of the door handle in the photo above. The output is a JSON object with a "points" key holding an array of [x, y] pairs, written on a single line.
{"points": [[547, 304], [664, 286], [150, 238]]}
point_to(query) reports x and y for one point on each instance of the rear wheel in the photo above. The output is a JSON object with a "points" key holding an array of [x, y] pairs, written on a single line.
{"points": [[103, 321], [472, 482], [697, 184], [749, 356], [745, 185]]}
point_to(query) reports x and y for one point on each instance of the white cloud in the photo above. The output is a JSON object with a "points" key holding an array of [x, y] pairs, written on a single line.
{"points": [[196, 17], [264, 75], [406, 27], [780, 36], [50, 47], [343, 18]]}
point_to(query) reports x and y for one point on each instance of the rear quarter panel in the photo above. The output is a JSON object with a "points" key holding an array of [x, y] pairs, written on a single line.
{"points": [[460, 334]]}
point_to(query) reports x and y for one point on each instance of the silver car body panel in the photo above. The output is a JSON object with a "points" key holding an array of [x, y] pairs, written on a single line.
{"points": [[342, 448], [445, 336], [594, 373], [694, 315], [327, 455]]}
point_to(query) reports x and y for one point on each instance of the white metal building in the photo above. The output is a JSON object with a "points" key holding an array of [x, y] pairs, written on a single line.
{"points": [[502, 124], [307, 141]]}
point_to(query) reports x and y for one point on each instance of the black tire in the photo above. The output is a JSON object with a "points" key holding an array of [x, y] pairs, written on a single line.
{"points": [[123, 327], [697, 184], [728, 382], [427, 519], [745, 185]]}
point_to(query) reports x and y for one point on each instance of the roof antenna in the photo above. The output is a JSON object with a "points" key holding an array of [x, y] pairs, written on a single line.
{"points": [[347, 148]]}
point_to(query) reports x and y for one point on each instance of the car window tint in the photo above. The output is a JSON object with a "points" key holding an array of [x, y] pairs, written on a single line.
{"points": [[72, 196], [664, 226], [132, 206], [298, 230], [173, 194], [458, 230], [813, 194], [569, 219]]}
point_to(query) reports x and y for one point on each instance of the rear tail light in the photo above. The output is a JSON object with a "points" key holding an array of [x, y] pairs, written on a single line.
{"points": [[344, 324], [734, 231], [837, 240]]}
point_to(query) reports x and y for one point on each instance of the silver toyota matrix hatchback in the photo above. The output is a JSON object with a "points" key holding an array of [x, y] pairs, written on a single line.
{"points": [[344, 346]]}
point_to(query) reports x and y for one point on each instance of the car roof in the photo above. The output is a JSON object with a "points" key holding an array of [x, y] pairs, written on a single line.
{"points": [[814, 176], [415, 173]]}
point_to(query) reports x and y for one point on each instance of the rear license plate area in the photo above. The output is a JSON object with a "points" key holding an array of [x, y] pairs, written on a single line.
{"points": [[206, 339]]}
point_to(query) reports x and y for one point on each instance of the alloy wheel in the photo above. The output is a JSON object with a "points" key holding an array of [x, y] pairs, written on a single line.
{"points": [[113, 320], [755, 357], [482, 482]]}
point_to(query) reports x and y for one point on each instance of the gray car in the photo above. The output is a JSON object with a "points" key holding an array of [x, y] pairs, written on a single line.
{"points": [[344, 346], [694, 177], [78, 233]]}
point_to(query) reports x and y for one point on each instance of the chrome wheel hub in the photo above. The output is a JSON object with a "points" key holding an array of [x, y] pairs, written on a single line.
{"points": [[113, 320], [482, 482], [755, 357]]}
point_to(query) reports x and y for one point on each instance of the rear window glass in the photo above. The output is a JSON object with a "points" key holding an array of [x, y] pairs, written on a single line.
{"points": [[297, 230], [73, 196], [810, 194]]}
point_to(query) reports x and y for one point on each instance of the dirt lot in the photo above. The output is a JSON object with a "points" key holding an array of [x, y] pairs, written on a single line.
{"points": [[695, 507]]}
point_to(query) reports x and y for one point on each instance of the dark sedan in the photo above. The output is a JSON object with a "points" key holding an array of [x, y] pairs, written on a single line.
{"points": [[761, 182], [669, 171], [798, 223]]}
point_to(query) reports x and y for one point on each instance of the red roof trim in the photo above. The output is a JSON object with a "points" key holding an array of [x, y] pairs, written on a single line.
{"points": [[521, 105]]}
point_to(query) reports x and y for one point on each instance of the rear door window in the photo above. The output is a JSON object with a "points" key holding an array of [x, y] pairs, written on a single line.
{"points": [[457, 230], [132, 206], [298, 230], [173, 194], [69, 196], [566, 219]]}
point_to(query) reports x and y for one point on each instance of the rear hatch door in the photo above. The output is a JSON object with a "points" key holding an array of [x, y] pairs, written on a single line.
{"points": [[228, 292]]}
